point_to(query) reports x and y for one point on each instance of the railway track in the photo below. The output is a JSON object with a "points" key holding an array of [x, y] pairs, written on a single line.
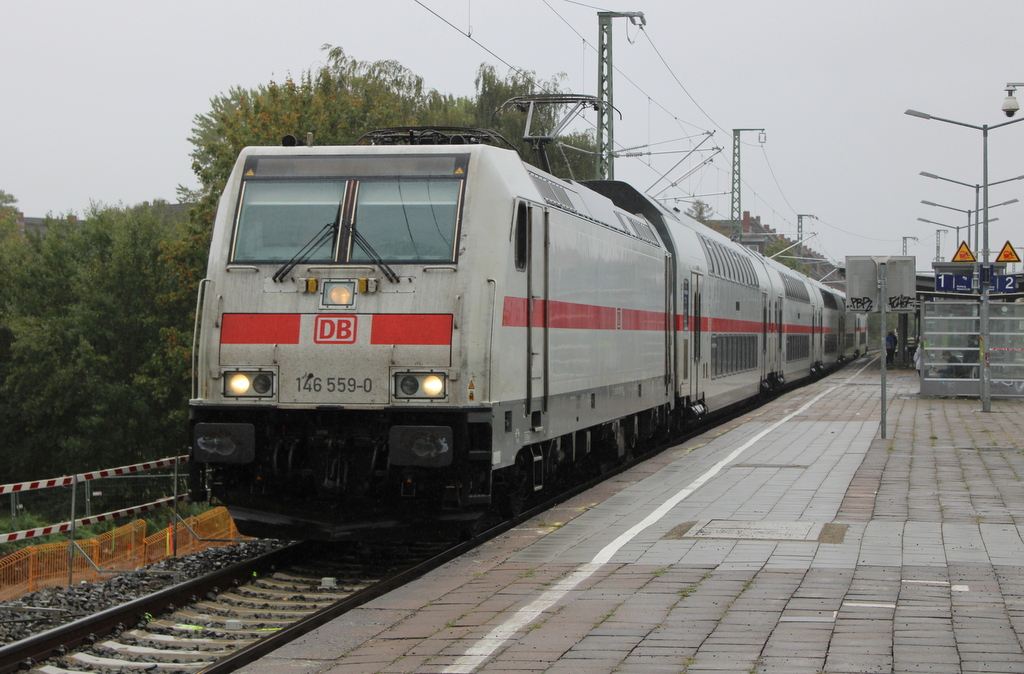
{"points": [[223, 620]]}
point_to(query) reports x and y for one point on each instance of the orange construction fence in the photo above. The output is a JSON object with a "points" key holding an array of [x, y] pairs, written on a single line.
{"points": [[123, 549]]}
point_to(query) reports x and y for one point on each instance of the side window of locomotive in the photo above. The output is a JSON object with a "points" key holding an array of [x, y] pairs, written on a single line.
{"points": [[521, 236], [407, 220], [277, 218]]}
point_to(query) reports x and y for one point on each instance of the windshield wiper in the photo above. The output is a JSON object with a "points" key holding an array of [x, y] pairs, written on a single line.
{"points": [[376, 259], [326, 233]]}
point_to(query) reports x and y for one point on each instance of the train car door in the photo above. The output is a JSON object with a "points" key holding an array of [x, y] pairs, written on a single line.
{"points": [[696, 331], [670, 322], [821, 335], [765, 319], [537, 315], [812, 349], [780, 333]]}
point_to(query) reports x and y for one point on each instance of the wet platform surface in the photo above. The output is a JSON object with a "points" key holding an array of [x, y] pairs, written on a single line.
{"points": [[794, 539]]}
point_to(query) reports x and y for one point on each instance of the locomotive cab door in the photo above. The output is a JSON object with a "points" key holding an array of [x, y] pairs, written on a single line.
{"points": [[537, 315]]}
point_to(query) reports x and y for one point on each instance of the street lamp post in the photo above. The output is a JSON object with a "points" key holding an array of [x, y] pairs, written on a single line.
{"points": [[932, 222], [975, 212], [985, 272], [977, 193]]}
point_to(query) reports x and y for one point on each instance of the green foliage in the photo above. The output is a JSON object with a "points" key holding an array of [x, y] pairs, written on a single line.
{"points": [[86, 380], [700, 211], [786, 258], [8, 215]]}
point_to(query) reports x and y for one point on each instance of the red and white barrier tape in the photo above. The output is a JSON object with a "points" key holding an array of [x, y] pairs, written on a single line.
{"points": [[66, 526], [112, 472]]}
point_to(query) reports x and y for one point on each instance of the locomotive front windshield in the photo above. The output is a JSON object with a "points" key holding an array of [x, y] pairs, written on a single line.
{"points": [[401, 209]]}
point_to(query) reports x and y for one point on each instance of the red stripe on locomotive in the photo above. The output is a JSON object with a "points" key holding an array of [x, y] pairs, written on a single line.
{"points": [[412, 329], [260, 329]]}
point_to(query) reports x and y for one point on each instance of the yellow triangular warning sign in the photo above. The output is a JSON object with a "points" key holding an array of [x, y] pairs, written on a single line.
{"points": [[1008, 254], [964, 254], [459, 171], [249, 173]]}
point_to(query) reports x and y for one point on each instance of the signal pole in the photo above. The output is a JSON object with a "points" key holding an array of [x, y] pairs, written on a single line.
{"points": [[605, 121], [735, 216]]}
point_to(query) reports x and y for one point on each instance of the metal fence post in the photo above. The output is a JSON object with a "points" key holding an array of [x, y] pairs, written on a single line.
{"points": [[71, 541]]}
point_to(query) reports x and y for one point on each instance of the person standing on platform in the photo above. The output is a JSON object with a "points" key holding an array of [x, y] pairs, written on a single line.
{"points": [[890, 348]]}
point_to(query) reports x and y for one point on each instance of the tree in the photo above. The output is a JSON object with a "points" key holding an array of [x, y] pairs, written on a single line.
{"points": [[781, 244], [8, 214], [700, 211], [86, 383], [11, 243]]}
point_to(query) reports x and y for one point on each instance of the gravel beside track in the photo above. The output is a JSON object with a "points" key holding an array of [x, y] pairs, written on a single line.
{"points": [[47, 608]]}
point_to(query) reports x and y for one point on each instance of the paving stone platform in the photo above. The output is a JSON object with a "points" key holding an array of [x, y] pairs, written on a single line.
{"points": [[795, 539]]}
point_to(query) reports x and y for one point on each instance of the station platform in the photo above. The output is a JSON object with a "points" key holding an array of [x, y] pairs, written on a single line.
{"points": [[794, 539]]}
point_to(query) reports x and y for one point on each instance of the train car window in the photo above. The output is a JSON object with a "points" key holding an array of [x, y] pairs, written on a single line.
{"points": [[407, 220], [716, 253], [717, 269], [522, 236], [829, 299], [277, 218], [751, 274], [795, 288], [705, 244], [797, 347], [734, 265]]}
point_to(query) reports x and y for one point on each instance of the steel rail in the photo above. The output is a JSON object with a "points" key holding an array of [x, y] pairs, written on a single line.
{"points": [[26, 652]]}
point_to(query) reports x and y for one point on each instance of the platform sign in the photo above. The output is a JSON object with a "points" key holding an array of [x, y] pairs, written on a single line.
{"points": [[1004, 283], [862, 283], [954, 283]]}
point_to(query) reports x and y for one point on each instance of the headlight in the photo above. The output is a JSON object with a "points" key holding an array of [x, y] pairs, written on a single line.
{"points": [[248, 384], [339, 293], [420, 385]]}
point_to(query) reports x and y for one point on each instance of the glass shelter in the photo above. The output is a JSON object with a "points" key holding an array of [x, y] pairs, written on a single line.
{"points": [[950, 358]]}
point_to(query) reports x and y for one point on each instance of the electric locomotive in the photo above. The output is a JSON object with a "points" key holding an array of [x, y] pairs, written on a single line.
{"points": [[406, 331]]}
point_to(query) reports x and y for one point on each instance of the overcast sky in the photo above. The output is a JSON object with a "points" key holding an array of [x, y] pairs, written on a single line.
{"points": [[99, 98]]}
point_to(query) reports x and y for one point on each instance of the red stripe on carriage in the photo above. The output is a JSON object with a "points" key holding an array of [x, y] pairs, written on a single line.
{"points": [[412, 329], [260, 328], [572, 316]]}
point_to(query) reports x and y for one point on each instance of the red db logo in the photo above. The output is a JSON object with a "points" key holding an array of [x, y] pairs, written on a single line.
{"points": [[335, 330]]}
